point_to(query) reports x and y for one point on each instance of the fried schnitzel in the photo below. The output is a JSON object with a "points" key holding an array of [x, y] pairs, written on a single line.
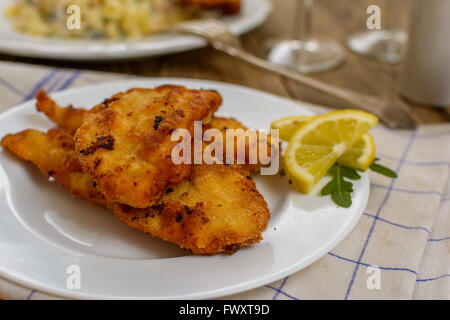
{"points": [[218, 209], [68, 117], [251, 148], [125, 142], [71, 118], [54, 154]]}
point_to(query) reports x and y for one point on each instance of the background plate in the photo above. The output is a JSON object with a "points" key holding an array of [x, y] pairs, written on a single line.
{"points": [[43, 230], [254, 13]]}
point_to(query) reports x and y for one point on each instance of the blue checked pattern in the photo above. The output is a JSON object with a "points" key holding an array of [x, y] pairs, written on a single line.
{"points": [[405, 231]]}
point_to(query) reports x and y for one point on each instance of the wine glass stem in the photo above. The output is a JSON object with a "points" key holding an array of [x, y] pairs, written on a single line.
{"points": [[391, 25], [389, 16], [307, 20], [303, 20], [304, 17]]}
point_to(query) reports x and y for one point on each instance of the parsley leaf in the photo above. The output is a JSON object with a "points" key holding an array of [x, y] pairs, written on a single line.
{"points": [[378, 168]]}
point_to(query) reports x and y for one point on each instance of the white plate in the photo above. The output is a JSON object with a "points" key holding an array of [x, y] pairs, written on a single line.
{"points": [[43, 230], [254, 13]]}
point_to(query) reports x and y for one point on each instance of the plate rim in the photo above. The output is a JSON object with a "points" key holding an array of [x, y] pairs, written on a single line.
{"points": [[215, 293]]}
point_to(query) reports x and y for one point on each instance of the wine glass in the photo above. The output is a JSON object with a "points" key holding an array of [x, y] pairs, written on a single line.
{"points": [[307, 54], [388, 45]]}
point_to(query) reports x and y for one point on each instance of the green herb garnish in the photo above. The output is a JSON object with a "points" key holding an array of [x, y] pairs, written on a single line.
{"points": [[340, 188], [378, 168]]}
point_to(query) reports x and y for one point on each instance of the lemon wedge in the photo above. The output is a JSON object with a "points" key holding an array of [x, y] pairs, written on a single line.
{"points": [[360, 156], [287, 126], [319, 142]]}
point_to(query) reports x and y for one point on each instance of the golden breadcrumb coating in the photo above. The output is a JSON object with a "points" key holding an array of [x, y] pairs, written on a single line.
{"points": [[71, 118], [66, 117], [125, 142], [218, 209]]}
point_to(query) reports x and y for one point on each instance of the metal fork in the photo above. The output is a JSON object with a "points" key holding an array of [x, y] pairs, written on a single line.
{"points": [[220, 38]]}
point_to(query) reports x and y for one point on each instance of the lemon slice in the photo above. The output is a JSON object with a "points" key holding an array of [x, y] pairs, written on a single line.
{"points": [[317, 144], [360, 156], [287, 126]]}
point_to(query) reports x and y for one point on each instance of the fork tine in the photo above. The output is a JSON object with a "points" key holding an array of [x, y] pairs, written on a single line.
{"points": [[203, 25], [215, 31]]}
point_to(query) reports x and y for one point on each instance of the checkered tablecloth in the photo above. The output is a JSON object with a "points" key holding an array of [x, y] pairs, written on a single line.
{"points": [[404, 233]]}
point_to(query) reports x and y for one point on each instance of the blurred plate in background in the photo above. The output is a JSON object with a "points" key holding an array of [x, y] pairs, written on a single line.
{"points": [[254, 13]]}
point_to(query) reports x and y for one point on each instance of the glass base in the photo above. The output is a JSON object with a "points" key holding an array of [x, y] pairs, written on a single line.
{"points": [[307, 56], [384, 45]]}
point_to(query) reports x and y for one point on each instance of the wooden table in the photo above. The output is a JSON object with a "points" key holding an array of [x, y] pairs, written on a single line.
{"points": [[332, 19]]}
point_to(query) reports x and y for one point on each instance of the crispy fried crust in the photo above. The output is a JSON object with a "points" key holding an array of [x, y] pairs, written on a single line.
{"points": [[227, 6], [251, 147], [69, 117], [125, 142], [54, 154], [48, 106], [217, 210]]}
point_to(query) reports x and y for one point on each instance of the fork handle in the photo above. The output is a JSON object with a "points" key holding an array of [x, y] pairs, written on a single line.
{"points": [[365, 102]]}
